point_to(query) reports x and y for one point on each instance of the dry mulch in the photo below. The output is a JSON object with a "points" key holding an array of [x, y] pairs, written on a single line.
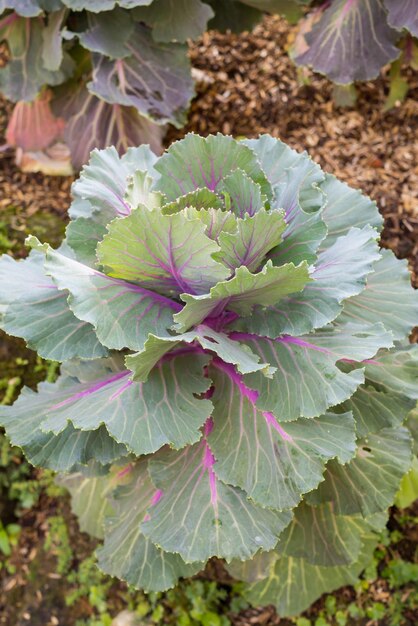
{"points": [[253, 89]]}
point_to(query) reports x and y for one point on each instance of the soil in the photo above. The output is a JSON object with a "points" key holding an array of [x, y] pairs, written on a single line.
{"points": [[249, 87]]}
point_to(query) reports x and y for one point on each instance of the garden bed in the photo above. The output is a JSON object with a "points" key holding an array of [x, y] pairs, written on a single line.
{"points": [[248, 87]]}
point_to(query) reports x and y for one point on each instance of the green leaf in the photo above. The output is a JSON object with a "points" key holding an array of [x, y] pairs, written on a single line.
{"points": [[373, 409], [155, 79], [345, 209], [408, 490], [169, 253], [97, 6], [228, 350], [129, 555], [122, 314], [216, 222], [242, 195], [294, 583], [274, 464], [320, 537], [255, 236], [388, 289], [108, 33], [52, 51], [233, 16], [368, 483], [144, 416], [199, 199], [82, 235], [175, 20], [341, 271], [396, 371], [199, 516], [40, 314], [308, 380], [196, 162], [63, 452], [25, 74], [89, 499], [256, 569], [100, 189], [138, 191], [242, 292], [295, 177], [290, 9]]}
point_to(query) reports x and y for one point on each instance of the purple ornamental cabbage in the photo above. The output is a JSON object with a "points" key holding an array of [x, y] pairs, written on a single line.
{"points": [[235, 366], [350, 40]]}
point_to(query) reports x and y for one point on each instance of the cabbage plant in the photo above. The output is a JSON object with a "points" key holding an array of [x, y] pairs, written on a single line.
{"points": [[235, 369], [96, 73]]}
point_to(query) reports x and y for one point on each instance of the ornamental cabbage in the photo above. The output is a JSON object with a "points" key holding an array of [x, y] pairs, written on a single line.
{"points": [[351, 40], [235, 366]]}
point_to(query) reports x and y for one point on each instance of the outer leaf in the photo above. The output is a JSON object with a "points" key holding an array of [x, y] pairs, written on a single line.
{"points": [[368, 483], [170, 253], [129, 555], [396, 372], [197, 162], [254, 238], [63, 452], [175, 20], [388, 289], [198, 516], [346, 208], [242, 292], [108, 33], [294, 176], [28, 8], [89, 499], [25, 74], [83, 235], [92, 123], [373, 409], [143, 416], [291, 9], [100, 190], [274, 465], [97, 6], [403, 15], [294, 584], [351, 41], [408, 491], [155, 79], [33, 308], [228, 350], [256, 569], [341, 271], [52, 52], [308, 380], [320, 537], [233, 16], [122, 313], [295, 179]]}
